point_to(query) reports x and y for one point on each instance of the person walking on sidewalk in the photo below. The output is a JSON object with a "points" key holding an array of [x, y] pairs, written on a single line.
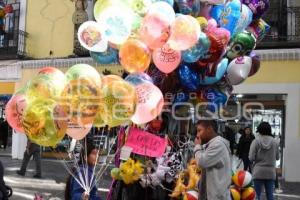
{"points": [[263, 153], [212, 153], [244, 147], [32, 149]]}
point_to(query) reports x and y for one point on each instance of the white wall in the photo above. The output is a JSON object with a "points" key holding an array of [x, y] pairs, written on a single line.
{"points": [[291, 152]]}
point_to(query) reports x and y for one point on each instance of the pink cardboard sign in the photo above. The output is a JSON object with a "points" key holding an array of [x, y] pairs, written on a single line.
{"points": [[146, 144]]}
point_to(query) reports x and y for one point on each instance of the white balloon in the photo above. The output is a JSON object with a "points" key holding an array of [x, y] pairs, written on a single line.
{"points": [[238, 70]]}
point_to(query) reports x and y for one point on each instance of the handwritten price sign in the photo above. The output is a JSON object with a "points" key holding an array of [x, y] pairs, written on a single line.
{"points": [[146, 144]]}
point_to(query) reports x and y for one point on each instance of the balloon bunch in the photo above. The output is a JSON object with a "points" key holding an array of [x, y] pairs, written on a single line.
{"points": [[209, 44], [242, 188], [53, 103]]}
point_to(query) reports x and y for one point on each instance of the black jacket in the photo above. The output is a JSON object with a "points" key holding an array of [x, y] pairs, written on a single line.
{"points": [[244, 146]]}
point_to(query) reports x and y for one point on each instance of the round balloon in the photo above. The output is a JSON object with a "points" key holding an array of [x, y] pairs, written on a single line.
{"points": [[203, 23], [138, 78], [154, 31], [118, 103], [242, 179], [188, 78], [91, 37], [44, 86], [248, 194], [76, 131], [238, 70], [185, 32], [135, 56], [14, 111], [109, 56], [149, 105], [198, 51], [116, 23], [241, 44], [258, 7], [83, 71], [45, 122], [166, 59], [54, 72], [235, 193], [81, 99], [191, 195]]}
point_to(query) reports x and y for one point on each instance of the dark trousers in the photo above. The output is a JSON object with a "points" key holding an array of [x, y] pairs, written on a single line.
{"points": [[36, 156], [247, 164], [269, 188]]}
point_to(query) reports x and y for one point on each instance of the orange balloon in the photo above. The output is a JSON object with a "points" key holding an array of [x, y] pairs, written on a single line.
{"points": [[135, 56]]}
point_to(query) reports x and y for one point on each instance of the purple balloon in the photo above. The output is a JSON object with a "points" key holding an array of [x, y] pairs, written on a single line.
{"points": [[258, 7]]}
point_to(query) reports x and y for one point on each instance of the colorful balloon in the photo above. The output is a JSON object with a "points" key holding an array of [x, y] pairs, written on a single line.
{"points": [[242, 44], [255, 64], [188, 78], [118, 103], [91, 37], [216, 99], [259, 28], [83, 71], [230, 15], [188, 7], [238, 70], [258, 7], [242, 179], [134, 56], [138, 78], [108, 57], [76, 131], [166, 59], [248, 194], [185, 32], [235, 193], [198, 51], [116, 23], [244, 21], [214, 72], [202, 22], [14, 111], [154, 31], [149, 105], [45, 122], [191, 195], [52, 71]]}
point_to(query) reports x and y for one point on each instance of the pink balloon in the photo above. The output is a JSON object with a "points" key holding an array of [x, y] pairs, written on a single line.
{"points": [[221, 33], [77, 131], [150, 103], [166, 59], [14, 111], [212, 23], [154, 31], [185, 32]]}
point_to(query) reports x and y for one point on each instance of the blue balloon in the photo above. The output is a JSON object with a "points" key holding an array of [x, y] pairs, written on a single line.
{"points": [[230, 15], [188, 78], [216, 11], [108, 57], [244, 21], [181, 97], [138, 78], [198, 51], [216, 99], [218, 72]]}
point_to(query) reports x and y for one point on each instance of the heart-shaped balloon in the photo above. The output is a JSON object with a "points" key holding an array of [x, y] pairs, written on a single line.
{"points": [[238, 70]]}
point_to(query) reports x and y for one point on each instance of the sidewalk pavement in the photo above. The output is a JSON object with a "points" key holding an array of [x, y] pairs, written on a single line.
{"points": [[54, 174]]}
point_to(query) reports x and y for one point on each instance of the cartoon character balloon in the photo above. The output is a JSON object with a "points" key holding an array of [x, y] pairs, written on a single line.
{"points": [[242, 44], [230, 15]]}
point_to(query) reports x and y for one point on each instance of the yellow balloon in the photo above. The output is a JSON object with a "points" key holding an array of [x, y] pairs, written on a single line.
{"points": [[118, 103], [80, 100], [203, 22], [44, 122], [44, 86]]}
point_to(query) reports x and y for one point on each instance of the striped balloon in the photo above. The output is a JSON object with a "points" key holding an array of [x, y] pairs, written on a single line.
{"points": [[242, 178], [248, 194], [235, 193]]}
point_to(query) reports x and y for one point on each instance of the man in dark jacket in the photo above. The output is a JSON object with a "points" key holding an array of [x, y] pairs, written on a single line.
{"points": [[32, 149]]}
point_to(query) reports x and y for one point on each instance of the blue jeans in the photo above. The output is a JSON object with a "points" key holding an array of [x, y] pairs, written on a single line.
{"points": [[269, 188]]}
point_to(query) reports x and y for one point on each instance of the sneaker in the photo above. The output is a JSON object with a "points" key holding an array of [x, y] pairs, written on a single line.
{"points": [[37, 176], [20, 173]]}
